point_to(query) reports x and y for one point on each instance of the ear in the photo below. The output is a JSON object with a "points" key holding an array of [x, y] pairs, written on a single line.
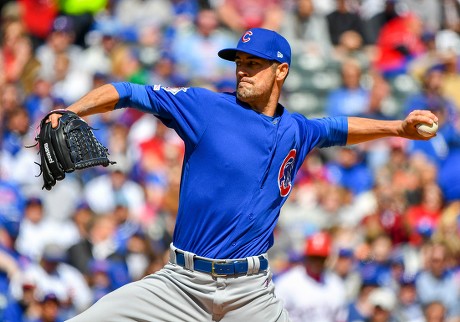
{"points": [[282, 71]]}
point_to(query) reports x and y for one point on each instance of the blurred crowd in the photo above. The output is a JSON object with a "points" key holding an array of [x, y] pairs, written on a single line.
{"points": [[387, 212]]}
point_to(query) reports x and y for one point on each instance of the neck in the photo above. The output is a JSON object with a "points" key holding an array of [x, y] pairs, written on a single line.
{"points": [[317, 276], [267, 106]]}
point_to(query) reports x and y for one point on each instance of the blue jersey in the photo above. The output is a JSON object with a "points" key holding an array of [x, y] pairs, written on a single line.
{"points": [[239, 165]]}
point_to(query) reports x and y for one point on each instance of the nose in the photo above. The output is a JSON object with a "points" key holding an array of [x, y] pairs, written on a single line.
{"points": [[241, 72]]}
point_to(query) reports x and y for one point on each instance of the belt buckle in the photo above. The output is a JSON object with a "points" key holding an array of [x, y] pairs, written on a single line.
{"points": [[213, 273]]}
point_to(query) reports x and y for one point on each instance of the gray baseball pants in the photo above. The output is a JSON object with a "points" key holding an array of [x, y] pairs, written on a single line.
{"points": [[177, 294]]}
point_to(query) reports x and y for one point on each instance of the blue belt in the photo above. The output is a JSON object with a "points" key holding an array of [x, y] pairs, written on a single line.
{"points": [[222, 268]]}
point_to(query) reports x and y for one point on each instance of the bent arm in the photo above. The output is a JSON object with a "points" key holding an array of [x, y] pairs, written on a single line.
{"points": [[99, 100], [363, 129]]}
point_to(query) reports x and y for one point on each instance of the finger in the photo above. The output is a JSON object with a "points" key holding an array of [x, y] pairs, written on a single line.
{"points": [[423, 116], [54, 118]]}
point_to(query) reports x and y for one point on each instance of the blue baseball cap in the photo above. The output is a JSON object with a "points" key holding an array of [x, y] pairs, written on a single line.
{"points": [[263, 43]]}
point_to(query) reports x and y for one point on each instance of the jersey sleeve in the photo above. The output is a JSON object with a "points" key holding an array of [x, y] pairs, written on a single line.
{"points": [[184, 109], [323, 132]]}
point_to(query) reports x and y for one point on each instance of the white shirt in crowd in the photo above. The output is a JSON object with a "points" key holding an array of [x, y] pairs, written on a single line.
{"points": [[308, 300]]}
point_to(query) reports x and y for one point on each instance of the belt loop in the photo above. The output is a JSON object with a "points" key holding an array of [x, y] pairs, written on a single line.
{"points": [[189, 260], [250, 261], [253, 265], [172, 254]]}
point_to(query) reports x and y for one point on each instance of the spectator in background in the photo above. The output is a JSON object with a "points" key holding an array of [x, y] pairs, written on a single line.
{"points": [[398, 43], [40, 101], [408, 308], [378, 259], [193, 49], [59, 41], [450, 15], [16, 131], [10, 99], [381, 105], [430, 59], [350, 171], [126, 65], [436, 283], [383, 302], [81, 218], [11, 262], [38, 229], [351, 46], [451, 77], [116, 187], [360, 308], [431, 94], [424, 216], [343, 19], [186, 10], [136, 15], [98, 244], [99, 278], [69, 83], [447, 232], [38, 17], [344, 265], [448, 175], [351, 98], [16, 52], [311, 292], [306, 30], [29, 301], [52, 275], [50, 309], [127, 227], [376, 14], [387, 218], [334, 207], [81, 13], [241, 15], [165, 71], [100, 247], [97, 57], [434, 312]]}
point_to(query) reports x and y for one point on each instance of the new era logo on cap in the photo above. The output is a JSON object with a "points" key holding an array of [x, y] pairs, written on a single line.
{"points": [[262, 43]]}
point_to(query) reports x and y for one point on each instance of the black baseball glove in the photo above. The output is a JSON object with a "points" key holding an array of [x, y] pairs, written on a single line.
{"points": [[68, 147]]}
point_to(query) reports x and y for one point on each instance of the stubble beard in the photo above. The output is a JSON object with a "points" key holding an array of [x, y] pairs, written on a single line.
{"points": [[246, 92], [243, 94]]}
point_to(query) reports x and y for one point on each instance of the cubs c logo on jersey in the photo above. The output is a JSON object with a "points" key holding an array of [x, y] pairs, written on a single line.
{"points": [[246, 37], [285, 173]]}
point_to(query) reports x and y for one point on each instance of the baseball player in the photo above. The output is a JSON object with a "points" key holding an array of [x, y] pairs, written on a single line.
{"points": [[243, 150]]}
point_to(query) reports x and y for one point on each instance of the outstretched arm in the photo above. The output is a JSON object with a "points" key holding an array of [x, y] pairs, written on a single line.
{"points": [[99, 100], [363, 129]]}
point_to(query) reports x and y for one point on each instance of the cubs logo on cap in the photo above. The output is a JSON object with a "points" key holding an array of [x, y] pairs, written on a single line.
{"points": [[263, 43]]}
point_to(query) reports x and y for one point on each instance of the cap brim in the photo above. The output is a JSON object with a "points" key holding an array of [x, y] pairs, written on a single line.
{"points": [[230, 53]]}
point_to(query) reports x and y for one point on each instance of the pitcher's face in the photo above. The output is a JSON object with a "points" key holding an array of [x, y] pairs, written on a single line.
{"points": [[255, 77]]}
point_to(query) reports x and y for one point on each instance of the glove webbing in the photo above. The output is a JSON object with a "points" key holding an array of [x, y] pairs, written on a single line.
{"points": [[86, 150]]}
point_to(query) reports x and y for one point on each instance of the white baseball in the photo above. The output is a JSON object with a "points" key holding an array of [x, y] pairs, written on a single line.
{"points": [[427, 129]]}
